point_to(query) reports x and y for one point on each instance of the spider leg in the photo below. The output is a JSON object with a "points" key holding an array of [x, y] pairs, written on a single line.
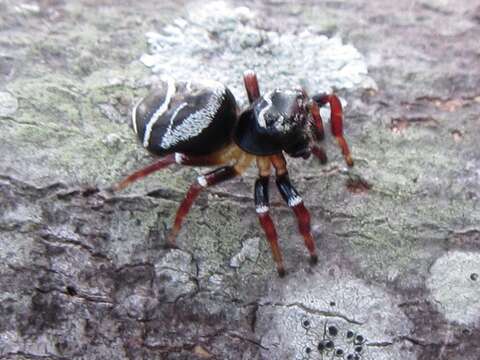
{"points": [[336, 122], [218, 158], [214, 177], [251, 85], [318, 132], [160, 164], [262, 207], [295, 202], [211, 178]]}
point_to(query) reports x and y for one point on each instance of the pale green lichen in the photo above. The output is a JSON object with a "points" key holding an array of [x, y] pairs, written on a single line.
{"points": [[455, 287]]}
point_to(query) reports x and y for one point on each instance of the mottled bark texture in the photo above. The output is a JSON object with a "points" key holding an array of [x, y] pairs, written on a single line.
{"points": [[85, 274]]}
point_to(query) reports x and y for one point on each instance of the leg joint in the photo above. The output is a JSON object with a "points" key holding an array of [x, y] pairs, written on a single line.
{"points": [[262, 209], [180, 158], [288, 192], [217, 176], [202, 181]]}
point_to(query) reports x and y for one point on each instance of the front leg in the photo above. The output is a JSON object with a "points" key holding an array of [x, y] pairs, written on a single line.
{"points": [[295, 202], [262, 207], [336, 122], [251, 85]]}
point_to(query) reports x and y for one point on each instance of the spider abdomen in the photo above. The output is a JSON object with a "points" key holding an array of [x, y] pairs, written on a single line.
{"points": [[194, 118]]}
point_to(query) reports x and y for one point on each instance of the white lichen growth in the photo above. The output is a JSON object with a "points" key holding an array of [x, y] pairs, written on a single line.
{"points": [[220, 42], [455, 287]]}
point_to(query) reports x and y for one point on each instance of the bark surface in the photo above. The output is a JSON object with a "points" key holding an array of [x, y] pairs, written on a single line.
{"points": [[85, 274]]}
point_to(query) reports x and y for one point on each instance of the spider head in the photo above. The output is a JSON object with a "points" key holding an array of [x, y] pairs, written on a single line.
{"points": [[287, 121], [283, 114], [276, 122]]}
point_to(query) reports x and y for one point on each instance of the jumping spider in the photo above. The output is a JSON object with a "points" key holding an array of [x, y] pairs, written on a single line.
{"points": [[199, 124]]}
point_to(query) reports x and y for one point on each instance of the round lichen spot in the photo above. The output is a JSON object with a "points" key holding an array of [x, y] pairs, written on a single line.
{"points": [[308, 350], [329, 345], [350, 334], [339, 352], [456, 273], [358, 349], [306, 324]]}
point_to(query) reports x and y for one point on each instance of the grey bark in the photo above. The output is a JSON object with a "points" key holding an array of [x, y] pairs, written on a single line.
{"points": [[85, 274]]}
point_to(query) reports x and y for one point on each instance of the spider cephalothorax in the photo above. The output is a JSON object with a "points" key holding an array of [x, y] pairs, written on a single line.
{"points": [[274, 123], [199, 124]]}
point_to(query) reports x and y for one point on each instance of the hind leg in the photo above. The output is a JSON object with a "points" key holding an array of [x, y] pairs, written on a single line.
{"points": [[137, 175], [218, 158]]}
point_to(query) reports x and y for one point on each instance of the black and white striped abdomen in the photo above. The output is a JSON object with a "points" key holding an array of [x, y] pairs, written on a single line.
{"points": [[194, 118]]}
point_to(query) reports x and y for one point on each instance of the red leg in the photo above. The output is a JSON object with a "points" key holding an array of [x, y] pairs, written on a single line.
{"points": [[208, 160], [251, 85], [262, 208], [212, 178], [319, 132], [183, 210], [317, 119], [160, 164], [294, 201], [272, 237], [336, 123], [303, 218], [205, 160]]}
